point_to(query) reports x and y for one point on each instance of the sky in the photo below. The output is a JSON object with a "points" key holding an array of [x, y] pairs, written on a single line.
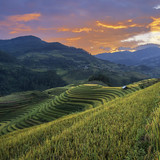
{"points": [[97, 26]]}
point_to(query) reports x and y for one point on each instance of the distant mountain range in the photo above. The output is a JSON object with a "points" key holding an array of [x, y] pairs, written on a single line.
{"points": [[29, 63], [148, 56]]}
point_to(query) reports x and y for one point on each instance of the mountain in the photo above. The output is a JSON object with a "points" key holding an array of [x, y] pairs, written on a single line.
{"points": [[149, 45], [32, 51], [20, 45], [149, 56], [41, 65]]}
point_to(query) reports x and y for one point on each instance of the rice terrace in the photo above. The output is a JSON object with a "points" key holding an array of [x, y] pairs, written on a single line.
{"points": [[79, 80], [85, 122]]}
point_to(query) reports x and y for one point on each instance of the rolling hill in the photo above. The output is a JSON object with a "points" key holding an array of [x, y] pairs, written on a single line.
{"points": [[74, 99], [113, 123]]}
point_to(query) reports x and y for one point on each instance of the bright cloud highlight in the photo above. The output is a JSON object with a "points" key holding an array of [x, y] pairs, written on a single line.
{"points": [[142, 39]]}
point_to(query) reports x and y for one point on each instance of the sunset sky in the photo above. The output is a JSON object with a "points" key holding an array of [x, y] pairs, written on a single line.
{"points": [[95, 25]]}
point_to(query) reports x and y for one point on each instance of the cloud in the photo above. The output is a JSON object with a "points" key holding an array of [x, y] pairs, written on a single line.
{"points": [[124, 48], [106, 48], [146, 46], [110, 26], [20, 28], [17, 23], [157, 7], [46, 29], [153, 36], [63, 29], [85, 29], [120, 25], [4, 24], [142, 39], [75, 30], [120, 49], [19, 19], [155, 25], [24, 17], [73, 39], [130, 20]]}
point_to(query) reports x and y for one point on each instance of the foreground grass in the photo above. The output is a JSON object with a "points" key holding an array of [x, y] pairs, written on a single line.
{"points": [[114, 130], [153, 133]]}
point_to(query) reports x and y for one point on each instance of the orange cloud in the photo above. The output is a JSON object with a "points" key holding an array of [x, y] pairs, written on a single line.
{"points": [[110, 26], [24, 17], [85, 29], [155, 25], [130, 20], [119, 26], [63, 29], [73, 39], [46, 29], [4, 24], [14, 24], [76, 30], [94, 38], [151, 36], [19, 29]]}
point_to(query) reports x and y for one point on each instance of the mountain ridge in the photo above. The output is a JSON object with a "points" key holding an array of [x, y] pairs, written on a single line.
{"points": [[31, 43], [139, 57]]}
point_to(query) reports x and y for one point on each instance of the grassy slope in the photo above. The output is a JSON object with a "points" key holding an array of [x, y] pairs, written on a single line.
{"points": [[16, 104], [74, 99], [114, 130]]}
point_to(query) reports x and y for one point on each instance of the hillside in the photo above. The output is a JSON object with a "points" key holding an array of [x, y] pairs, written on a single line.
{"points": [[26, 109], [16, 78], [37, 54], [39, 65], [74, 99], [6, 58], [118, 124]]}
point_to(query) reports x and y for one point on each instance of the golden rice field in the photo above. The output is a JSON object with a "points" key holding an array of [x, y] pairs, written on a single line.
{"points": [[96, 122]]}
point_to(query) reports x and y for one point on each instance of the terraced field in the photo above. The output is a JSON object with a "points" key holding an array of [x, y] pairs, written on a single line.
{"points": [[17, 103], [21, 113], [125, 128]]}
